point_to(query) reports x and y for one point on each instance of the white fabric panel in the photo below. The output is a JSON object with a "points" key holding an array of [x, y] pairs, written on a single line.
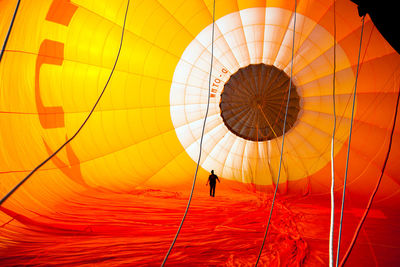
{"points": [[253, 21], [252, 36], [231, 28]]}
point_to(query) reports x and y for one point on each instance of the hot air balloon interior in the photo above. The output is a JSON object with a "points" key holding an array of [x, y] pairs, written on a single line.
{"points": [[114, 113]]}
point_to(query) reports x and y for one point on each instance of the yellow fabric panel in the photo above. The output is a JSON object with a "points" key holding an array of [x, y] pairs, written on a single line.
{"points": [[131, 139]]}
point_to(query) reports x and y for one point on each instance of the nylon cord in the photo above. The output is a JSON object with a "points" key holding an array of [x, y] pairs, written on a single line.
{"points": [[332, 223], [9, 30], [201, 142], [80, 128], [266, 119], [283, 140], [348, 146], [371, 199]]}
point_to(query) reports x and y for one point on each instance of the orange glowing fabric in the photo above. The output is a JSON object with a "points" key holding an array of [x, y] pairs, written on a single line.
{"points": [[136, 156]]}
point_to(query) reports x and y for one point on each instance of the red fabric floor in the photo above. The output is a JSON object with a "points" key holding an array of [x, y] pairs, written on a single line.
{"points": [[136, 229]]}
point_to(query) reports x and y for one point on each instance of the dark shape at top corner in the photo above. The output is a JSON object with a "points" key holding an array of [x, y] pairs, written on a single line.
{"points": [[384, 14]]}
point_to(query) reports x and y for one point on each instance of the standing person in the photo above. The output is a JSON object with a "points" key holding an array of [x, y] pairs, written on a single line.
{"points": [[212, 179]]}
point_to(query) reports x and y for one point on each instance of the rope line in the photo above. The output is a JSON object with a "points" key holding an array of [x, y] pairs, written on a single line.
{"points": [[83, 124], [332, 222], [371, 199], [283, 140], [269, 124], [201, 141], [9, 30], [348, 146]]}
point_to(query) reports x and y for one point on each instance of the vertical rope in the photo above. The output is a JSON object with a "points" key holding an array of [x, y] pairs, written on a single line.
{"points": [[348, 146], [83, 124], [9, 30], [201, 142], [283, 141], [333, 141], [371, 199]]}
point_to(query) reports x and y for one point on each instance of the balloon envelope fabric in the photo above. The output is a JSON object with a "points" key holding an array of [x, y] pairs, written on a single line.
{"points": [[138, 152]]}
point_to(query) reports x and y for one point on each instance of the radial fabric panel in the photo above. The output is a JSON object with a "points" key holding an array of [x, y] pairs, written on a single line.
{"points": [[255, 36], [145, 132]]}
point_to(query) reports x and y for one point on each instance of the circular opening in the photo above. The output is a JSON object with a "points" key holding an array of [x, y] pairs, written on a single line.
{"points": [[253, 102]]}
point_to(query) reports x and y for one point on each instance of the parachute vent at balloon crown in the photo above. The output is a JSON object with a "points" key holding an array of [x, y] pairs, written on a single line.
{"points": [[253, 102]]}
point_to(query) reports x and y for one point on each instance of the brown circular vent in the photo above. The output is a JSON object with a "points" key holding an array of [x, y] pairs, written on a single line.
{"points": [[253, 102]]}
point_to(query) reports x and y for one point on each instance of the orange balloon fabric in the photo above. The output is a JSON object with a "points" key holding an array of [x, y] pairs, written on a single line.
{"points": [[146, 130]]}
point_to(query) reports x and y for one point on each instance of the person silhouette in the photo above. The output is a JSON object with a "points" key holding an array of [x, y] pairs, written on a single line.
{"points": [[212, 180]]}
